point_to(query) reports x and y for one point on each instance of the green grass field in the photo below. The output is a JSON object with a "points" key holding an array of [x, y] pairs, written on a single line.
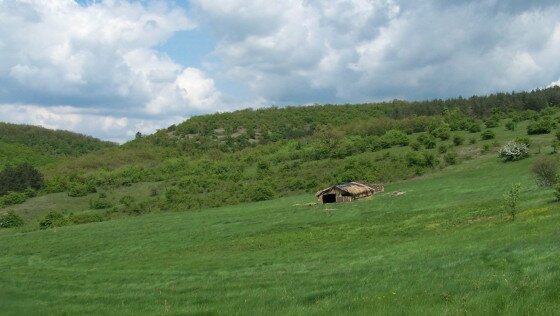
{"points": [[445, 247]]}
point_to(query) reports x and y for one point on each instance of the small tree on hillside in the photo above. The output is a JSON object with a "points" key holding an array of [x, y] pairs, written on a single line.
{"points": [[545, 170], [511, 200]]}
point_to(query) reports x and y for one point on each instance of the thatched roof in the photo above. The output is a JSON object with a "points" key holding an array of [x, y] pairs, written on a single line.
{"points": [[353, 188]]}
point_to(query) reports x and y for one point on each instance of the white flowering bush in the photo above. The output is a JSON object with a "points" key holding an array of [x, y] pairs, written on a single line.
{"points": [[513, 151]]}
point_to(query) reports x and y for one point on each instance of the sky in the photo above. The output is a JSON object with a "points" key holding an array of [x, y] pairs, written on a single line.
{"points": [[110, 68]]}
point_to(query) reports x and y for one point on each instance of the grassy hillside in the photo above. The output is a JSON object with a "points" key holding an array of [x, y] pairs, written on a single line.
{"points": [[38, 146], [17, 154], [445, 247], [253, 155]]}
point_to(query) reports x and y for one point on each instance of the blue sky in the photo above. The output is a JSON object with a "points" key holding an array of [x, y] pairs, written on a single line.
{"points": [[109, 68]]}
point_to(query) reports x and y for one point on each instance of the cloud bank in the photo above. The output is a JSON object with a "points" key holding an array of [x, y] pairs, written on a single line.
{"points": [[359, 50], [60, 61], [98, 68]]}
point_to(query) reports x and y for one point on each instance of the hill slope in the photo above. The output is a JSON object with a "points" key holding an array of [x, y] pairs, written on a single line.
{"points": [[254, 155], [446, 246], [38, 145]]}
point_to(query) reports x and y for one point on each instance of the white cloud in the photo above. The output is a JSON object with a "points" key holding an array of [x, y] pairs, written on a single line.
{"points": [[191, 89], [90, 122], [355, 50], [97, 57]]}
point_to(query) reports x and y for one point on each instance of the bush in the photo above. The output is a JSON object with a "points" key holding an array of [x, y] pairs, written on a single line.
{"points": [[127, 200], [458, 140], [545, 170], [443, 132], [487, 134], [475, 128], [472, 140], [53, 219], [543, 126], [424, 159], [85, 218], [557, 190], [430, 143], [510, 125], [10, 220], [450, 158], [262, 193], [442, 149], [395, 137], [78, 190], [513, 151], [415, 145], [492, 122], [524, 140], [13, 198], [98, 204], [430, 160]]}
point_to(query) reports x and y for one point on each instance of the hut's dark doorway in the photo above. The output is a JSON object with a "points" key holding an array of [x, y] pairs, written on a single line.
{"points": [[329, 198]]}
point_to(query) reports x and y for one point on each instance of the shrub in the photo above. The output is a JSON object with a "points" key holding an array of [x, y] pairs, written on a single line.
{"points": [[510, 125], [557, 190], [443, 132], [485, 148], [395, 137], [487, 134], [475, 128], [511, 199], [78, 190], [450, 158], [458, 140], [98, 204], [492, 122], [137, 208], [53, 219], [423, 159], [545, 170], [543, 126], [430, 143], [557, 134], [513, 151], [430, 160], [10, 220], [85, 218], [472, 140], [415, 145], [13, 198], [262, 193], [524, 140], [442, 149], [127, 200]]}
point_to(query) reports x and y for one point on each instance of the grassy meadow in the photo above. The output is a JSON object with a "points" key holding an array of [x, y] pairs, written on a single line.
{"points": [[445, 247]]}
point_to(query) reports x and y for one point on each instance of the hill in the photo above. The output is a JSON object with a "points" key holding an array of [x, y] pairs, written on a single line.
{"points": [[446, 246], [253, 155], [38, 145]]}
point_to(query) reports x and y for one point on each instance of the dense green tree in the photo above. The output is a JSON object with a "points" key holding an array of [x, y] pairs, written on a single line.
{"points": [[20, 178]]}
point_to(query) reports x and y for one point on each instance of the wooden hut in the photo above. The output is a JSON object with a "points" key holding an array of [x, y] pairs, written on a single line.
{"points": [[347, 192]]}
